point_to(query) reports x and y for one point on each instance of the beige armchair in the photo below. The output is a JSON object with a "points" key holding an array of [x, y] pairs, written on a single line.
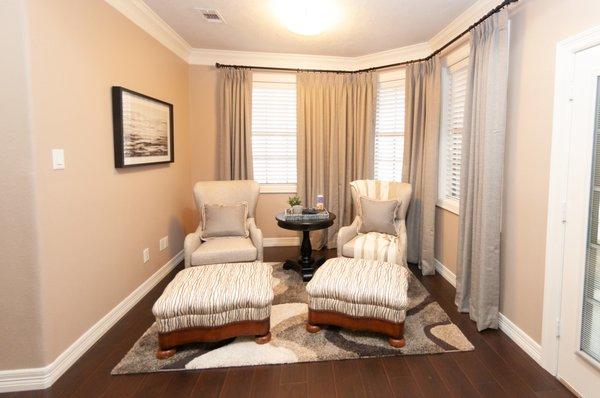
{"points": [[225, 249], [374, 245]]}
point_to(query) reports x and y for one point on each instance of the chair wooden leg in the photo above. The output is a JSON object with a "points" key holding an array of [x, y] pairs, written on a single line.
{"points": [[164, 354], [312, 328], [263, 339]]}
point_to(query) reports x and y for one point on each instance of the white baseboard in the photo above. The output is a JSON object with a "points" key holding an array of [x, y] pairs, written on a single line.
{"points": [[516, 334], [445, 273], [522, 339], [44, 377], [286, 241]]}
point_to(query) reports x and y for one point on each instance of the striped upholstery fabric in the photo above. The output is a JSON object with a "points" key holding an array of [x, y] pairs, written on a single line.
{"points": [[215, 295], [373, 245], [360, 288]]}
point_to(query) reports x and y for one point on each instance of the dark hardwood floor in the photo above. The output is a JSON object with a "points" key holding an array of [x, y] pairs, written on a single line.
{"points": [[496, 368]]}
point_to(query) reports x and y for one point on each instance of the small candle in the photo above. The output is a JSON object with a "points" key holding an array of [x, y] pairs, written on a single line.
{"points": [[320, 202]]}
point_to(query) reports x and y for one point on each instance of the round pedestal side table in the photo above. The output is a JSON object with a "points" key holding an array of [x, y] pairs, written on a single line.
{"points": [[306, 264]]}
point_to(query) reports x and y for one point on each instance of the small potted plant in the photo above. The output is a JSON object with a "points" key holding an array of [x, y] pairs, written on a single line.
{"points": [[295, 204]]}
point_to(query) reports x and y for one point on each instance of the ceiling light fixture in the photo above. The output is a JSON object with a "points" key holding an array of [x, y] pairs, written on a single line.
{"points": [[307, 17]]}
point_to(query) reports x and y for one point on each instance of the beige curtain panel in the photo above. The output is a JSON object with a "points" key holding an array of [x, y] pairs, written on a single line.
{"points": [[234, 127], [336, 130], [420, 168], [477, 280]]}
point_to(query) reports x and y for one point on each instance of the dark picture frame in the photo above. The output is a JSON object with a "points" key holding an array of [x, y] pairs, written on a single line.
{"points": [[143, 129]]}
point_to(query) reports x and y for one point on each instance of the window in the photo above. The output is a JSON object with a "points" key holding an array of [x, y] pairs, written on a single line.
{"points": [[274, 131], [389, 126], [454, 88], [590, 320]]}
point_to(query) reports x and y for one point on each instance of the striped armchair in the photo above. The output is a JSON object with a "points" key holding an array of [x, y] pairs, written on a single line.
{"points": [[375, 245]]}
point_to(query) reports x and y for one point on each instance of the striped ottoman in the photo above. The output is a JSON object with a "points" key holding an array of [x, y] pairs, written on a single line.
{"points": [[359, 294], [214, 302]]}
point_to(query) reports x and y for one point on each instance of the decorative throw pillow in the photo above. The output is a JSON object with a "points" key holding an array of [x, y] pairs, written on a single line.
{"points": [[220, 220], [378, 215]]}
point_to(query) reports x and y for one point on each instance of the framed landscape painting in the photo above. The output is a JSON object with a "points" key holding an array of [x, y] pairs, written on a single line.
{"points": [[143, 129]]}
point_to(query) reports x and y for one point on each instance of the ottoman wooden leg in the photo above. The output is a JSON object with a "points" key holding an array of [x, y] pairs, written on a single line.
{"points": [[312, 328], [396, 343], [263, 339], [164, 354]]}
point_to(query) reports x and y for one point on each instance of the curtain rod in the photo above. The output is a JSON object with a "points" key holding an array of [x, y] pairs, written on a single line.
{"points": [[495, 10]]}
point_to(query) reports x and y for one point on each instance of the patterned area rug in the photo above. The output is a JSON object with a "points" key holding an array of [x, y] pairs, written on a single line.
{"points": [[428, 330]]}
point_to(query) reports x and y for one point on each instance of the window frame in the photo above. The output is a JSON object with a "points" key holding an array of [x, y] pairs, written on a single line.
{"points": [[277, 77], [386, 77], [457, 59]]}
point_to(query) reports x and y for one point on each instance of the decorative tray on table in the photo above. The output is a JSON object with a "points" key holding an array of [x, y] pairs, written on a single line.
{"points": [[307, 215]]}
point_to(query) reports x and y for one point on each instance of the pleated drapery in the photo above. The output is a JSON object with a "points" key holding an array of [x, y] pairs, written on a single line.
{"points": [[420, 168], [477, 279], [336, 130], [234, 127]]}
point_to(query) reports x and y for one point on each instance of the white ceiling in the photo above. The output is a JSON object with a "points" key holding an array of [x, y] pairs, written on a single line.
{"points": [[366, 26]]}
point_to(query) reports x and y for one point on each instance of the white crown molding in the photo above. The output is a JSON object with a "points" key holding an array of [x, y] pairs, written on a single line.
{"points": [[201, 56], [144, 17], [395, 55], [462, 22], [44, 377], [205, 56]]}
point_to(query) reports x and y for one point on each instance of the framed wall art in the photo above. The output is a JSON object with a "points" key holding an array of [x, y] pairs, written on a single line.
{"points": [[143, 129]]}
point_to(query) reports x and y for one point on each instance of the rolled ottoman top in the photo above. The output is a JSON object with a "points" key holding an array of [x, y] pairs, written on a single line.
{"points": [[216, 288], [360, 281]]}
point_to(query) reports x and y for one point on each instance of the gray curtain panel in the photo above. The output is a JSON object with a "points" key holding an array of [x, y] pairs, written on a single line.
{"points": [[234, 127], [336, 130], [477, 280], [420, 168]]}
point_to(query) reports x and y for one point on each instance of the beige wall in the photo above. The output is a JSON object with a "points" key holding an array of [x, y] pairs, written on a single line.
{"points": [[20, 311], [536, 27], [74, 242], [203, 127], [94, 220], [446, 238]]}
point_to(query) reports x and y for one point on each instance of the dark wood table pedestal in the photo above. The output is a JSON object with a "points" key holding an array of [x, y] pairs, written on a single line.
{"points": [[306, 264]]}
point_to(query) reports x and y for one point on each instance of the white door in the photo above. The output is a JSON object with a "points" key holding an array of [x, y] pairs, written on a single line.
{"points": [[579, 343]]}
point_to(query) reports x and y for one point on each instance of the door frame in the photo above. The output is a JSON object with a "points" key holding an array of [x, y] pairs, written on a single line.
{"points": [[566, 51]]}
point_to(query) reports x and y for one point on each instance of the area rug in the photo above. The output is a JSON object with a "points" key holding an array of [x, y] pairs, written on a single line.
{"points": [[428, 330]]}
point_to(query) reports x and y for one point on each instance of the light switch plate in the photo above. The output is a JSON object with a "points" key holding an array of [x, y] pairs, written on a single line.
{"points": [[146, 255], [58, 159]]}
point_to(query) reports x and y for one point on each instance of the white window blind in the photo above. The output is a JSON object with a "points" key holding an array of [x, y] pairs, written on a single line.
{"points": [[274, 128], [454, 93], [389, 126], [590, 320]]}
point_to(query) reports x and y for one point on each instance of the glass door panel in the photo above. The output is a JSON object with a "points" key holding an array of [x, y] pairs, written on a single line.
{"points": [[590, 327]]}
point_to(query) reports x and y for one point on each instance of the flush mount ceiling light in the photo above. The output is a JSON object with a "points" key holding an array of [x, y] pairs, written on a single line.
{"points": [[306, 17]]}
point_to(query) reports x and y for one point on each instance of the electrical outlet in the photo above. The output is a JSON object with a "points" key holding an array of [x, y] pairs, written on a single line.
{"points": [[146, 254], [163, 243]]}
